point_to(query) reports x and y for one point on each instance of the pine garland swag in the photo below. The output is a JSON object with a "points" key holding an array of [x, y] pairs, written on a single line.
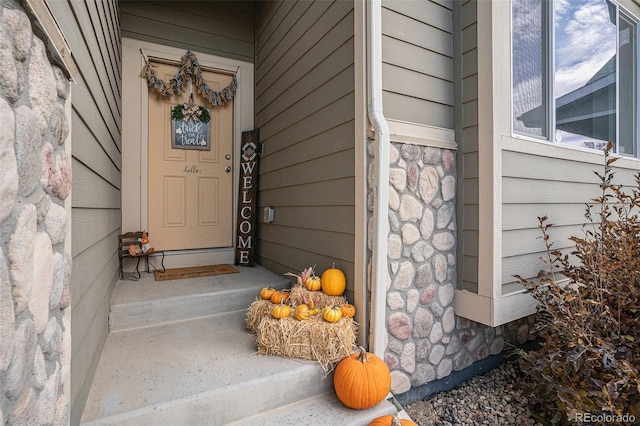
{"points": [[189, 69]]}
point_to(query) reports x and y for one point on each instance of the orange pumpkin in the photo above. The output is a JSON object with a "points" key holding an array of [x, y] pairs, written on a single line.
{"points": [[267, 292], [332, 313], [281, 311], [333, 282], [348, 310], [313, 283], [279, 296], [302, 312], [391, 420], [361, 380]]}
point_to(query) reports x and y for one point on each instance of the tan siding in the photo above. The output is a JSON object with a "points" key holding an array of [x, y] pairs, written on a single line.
{"points": [[282, 93], [93, 154], [412, 57], [85, 274], [535, 186], [417, 55], [415, 110], [332, 166], [525, 216], [407, 82], [93, 33], [91, 190], [307, 216], [313, 128], [310, 148], [432, 36], [325, 96], [288, 29], [106, 133], [336, 192], [517, 190], [222, 28], [305, 112], [91, 226], [529, 166], [525, 241]]}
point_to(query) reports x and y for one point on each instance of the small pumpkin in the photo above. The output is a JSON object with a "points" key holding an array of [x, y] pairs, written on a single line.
{"points": [[266, 293], [348, 310], [333, 281], [332, 313], [279, 296], [302, 312], [281, 311], [313, 283], [391, 420], [361, 380]]}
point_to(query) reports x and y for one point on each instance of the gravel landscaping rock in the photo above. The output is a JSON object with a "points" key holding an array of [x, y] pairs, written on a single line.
{"points": [[493, 398]]}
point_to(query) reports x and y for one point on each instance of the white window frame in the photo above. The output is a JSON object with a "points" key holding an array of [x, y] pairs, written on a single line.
{"points": [[550, 98], [494, 304]]}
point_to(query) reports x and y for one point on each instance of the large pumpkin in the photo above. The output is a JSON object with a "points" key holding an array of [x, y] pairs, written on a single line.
{"points": [[361, 380], [333, 282], [391, 420]]}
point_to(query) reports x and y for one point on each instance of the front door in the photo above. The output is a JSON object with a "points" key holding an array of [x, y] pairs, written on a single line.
{"points": [[190, 191]]}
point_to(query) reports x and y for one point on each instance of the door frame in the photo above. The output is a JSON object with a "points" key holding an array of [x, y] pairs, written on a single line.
{"points": [[135, 125]]}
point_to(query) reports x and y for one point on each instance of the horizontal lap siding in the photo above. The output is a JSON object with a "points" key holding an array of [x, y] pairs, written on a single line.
{"points": [[417, 55], [305, 112], [469, 204], [221, 28], [536, 186], [93, 32]]}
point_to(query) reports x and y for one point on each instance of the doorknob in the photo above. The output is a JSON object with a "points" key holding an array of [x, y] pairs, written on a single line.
{"points": [[227, 169]]}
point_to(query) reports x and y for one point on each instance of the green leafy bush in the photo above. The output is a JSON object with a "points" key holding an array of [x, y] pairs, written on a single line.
{"points": [[588, 313]]}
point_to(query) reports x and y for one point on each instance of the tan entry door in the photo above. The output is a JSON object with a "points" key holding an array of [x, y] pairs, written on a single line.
{"points": [[190, 191]]}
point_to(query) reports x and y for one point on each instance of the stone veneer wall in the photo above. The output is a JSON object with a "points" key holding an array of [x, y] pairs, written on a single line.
{"points": [[35, 268], [426, 340]]}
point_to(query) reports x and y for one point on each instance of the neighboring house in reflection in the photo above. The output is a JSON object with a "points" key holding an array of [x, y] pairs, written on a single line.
{"points": [[589, 111]]}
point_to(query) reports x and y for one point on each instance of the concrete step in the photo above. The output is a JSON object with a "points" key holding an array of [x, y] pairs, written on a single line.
{"points": [[206, 372], [147, 302], [198, 372], [191, 367], [323, 409]]}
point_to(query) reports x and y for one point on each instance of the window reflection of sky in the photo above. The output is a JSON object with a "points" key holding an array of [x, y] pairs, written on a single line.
{"points": [[584, 42]]}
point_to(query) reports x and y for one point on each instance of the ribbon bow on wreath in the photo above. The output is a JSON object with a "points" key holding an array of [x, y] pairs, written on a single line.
{"points": [[189, 69]]}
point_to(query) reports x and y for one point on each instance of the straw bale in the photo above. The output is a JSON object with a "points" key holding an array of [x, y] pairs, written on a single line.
{"points": [[299, 293], [313, 339], [258, 310]]}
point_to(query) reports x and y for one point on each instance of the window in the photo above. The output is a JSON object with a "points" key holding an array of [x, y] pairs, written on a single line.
{"points": [[575, 73]]}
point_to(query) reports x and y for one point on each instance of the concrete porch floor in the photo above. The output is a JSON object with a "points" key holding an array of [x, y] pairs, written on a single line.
{"points": [[179, 353]]}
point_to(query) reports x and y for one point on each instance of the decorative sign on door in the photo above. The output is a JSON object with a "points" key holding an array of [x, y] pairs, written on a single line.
{"points": [[190, 130], [249, 150]]}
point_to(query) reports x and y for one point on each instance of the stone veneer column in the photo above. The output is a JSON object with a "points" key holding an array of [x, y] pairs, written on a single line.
{"points": [[426, 340], [35, 268]]}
